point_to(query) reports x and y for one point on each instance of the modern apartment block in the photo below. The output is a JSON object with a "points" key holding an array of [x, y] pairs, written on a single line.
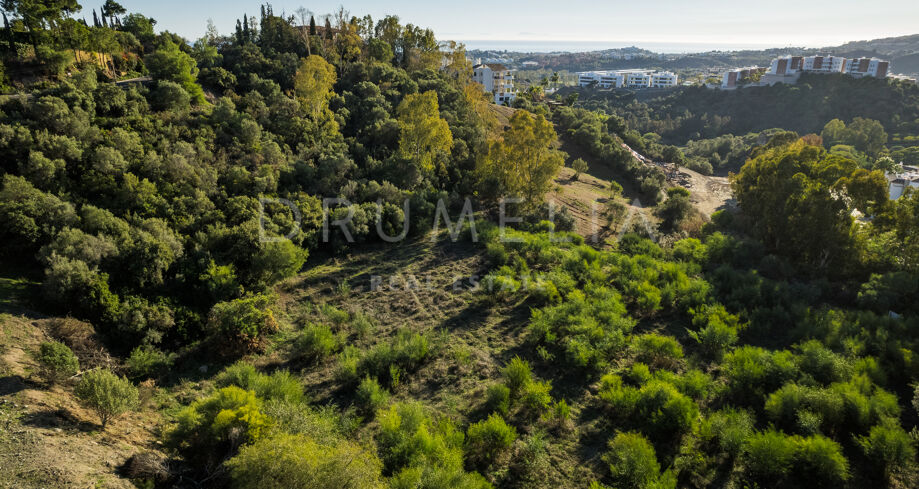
{"points": [[787, 69], [867, 67], [497, 80], [734, 78], [628, 79]]}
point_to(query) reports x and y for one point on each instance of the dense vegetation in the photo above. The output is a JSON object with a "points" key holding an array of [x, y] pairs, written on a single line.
{"points": [[722, 127], [774, 347]]}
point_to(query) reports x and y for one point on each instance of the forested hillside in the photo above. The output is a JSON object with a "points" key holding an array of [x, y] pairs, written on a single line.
{"points": [[226, 265]]}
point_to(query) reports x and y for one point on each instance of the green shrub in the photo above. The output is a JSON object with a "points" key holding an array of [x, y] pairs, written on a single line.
{"points": [[317, 342], [349, 361], [287, 461], [561, 412], [334, 314], [210, 428], [361, 325], [820, 462], [487, 439], [279, 386], [517, 375], [664, 410], [371, 396], [57, 361], [416, 448], [496, 254], [730, 428], [768, 456], [498, 398], [888, 447], [106, 394], [822, 364], [658, 350], [535, 397], [632, 461], [244, 322], [752, 372], [147, 361]]}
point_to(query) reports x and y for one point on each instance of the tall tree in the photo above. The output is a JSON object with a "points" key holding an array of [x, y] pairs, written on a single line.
{"points": [[522, 163], [170, 63], [423, 133], [313, 83], [113, 9]]}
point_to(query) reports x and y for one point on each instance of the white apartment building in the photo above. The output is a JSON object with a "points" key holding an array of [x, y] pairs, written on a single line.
{"points": [[628, 79], [867, 67], [824, 64], [497, 79], [664, 79]]}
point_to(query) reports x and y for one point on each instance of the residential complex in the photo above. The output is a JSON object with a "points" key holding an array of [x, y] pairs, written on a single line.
{"points": [[497, 80], [787, 69], [736, 77], [628, 79]]}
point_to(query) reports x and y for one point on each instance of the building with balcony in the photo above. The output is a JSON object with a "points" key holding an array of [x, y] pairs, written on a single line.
{"points": [[628, 79], [497, 79], [787, 69], [862, 67]]}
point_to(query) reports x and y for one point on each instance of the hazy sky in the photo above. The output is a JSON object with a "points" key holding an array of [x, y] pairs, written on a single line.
{"points": [[772, 22]]}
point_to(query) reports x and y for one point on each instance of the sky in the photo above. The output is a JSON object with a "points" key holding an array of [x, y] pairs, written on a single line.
{"points": [[776, 23]]}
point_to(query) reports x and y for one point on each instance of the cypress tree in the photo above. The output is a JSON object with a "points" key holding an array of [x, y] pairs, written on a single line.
{"points": [[245, 28], [239, 32], [312, 26], [328, 29], [95, 19]]}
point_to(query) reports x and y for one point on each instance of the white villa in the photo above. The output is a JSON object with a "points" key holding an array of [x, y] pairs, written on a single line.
{"points": [[497, 80]]}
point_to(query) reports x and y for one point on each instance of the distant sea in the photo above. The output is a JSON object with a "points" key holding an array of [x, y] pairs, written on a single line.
{"points": [[583, 46]]}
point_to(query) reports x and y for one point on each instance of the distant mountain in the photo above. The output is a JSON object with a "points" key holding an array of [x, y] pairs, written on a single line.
{"points": [[890, 47]]}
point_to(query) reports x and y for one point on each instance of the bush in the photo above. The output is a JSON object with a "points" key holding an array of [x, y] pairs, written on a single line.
{"points": [[317, 342], [244, 323], [287, 461], [888, 447], [768, 456], [213, 427], [632, 461], [371, 396], [498, 398], [664, 410], [57, 361], [147, 361], [658, 350], [361, 325], [535, 397], [486, 440], [279, 386], [730, 428], [106, 394], [517, 375], [819, 461]]}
